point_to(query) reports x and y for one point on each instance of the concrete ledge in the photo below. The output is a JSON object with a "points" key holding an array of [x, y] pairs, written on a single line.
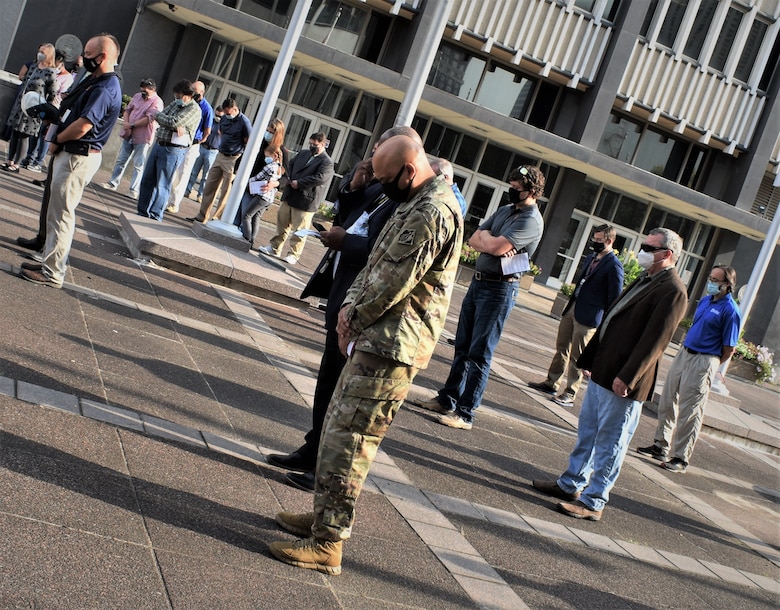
{"points": [[180, 249]]}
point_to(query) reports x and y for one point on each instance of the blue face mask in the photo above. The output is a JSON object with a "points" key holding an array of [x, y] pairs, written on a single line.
{"points": [[713, 288], [269, 160], [268, 136], [179, 102]]}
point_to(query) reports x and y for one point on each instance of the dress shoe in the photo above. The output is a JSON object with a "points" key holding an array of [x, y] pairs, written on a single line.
{"points": [[30, 244], [551, 488], [36, 276], [32, 266], [652, 451], [296, 523], [291, 461], [579, 511], [301, 480], [310, 553]]}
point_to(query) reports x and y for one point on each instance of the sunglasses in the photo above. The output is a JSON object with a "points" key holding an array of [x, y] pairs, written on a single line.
{"points": [[649, 248]]}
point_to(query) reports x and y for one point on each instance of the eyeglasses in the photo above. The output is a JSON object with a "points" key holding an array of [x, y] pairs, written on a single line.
{"points": [[649, 248]]}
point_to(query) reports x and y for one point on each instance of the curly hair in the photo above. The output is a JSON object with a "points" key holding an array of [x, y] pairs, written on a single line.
{"points": [[531, 177]]}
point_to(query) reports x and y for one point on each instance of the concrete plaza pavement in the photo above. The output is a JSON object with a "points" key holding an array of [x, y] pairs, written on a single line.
{"points": [[138, 403]]}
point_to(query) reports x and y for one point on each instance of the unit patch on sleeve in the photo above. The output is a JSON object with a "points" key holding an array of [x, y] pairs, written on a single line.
{"points": [[406, 237]]}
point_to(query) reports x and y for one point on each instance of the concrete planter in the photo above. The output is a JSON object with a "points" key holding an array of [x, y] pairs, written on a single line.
{"points": [[559, 304], [526, 282], [743, 369], [465, 275]]}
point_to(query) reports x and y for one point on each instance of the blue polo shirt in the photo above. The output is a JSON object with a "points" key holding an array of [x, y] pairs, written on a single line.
{"points": [[235, 133], [99, 103], [715, 324], [206, 119]]}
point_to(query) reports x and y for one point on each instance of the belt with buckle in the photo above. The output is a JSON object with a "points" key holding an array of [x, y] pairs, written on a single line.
{"points": [[171, 145], [493, 277], [695, 353]]}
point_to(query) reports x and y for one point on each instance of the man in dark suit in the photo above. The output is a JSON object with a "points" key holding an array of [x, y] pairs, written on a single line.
{"points": [[363, 211], [597, 285], [622, 360], [310, 174]]}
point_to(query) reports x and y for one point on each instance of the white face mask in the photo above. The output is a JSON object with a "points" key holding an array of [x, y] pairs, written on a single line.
{"points": [[645, 259]]}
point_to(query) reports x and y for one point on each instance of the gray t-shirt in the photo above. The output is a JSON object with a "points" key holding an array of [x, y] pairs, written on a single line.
{"points": [[523, 228]]}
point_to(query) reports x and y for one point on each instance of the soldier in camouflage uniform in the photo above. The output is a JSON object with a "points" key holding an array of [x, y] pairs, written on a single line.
{"points": [[388, 326]]}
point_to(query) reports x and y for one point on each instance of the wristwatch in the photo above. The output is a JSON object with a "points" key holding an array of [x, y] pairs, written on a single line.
{"points": [[132, 125]]}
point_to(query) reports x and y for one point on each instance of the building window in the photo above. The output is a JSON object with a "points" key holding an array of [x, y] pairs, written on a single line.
{"points": [[671, 25], [701, 25], [750, 51], [493, 86], [336, 24], [620, 138], [725, 41], [506, 92], [275, 11]]}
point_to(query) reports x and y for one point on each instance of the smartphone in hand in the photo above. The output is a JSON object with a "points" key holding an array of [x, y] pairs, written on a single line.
{"points": [[318, 226]]}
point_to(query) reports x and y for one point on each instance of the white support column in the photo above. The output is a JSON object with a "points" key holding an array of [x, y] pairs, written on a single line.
{"points": [[440, 11], [264, 115]]}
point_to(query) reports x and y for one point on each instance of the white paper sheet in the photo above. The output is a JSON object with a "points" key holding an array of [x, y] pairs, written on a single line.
{"points": [[518, 263]]}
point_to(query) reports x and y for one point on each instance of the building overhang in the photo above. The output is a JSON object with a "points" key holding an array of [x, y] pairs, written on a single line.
{"points": [[266, 39]]}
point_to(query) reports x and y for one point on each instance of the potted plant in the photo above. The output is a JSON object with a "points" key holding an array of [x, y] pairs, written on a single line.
{"points": [[752, 362], [631, 267], [527, 279], [561, 300]]}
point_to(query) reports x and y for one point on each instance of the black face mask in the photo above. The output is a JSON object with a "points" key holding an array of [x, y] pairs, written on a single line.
{"points": [[314, 150], [394, 192], [144, 95], [90, 64], [597, 247]]}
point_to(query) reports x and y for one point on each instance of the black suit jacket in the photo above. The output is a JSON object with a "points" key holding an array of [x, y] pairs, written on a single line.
{"points": [[598, 291], [355, 248], [313, 179]]}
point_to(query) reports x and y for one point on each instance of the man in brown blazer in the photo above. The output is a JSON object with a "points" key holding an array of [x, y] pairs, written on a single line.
{"points": [[622, 359]]}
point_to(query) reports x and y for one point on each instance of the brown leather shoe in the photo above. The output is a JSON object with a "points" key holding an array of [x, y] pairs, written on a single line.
{"points": [[579, 511], [32, 266], [551, 489], [37, 277]]}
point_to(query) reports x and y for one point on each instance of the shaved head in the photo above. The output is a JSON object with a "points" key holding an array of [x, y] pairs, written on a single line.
{"points": [[402, 160]]}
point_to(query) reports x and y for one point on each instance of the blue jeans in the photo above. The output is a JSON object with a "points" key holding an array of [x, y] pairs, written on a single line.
{"points": [[156, 182], [36, 152], [482, 316], [138, 153], [203, 162], [606, 426]]}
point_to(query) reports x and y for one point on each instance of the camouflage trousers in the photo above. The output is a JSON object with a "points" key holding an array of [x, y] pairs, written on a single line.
{"points": [[369, 393]]}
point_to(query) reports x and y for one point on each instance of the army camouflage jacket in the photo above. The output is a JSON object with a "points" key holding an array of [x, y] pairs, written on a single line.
{"points": [[398, 304]]}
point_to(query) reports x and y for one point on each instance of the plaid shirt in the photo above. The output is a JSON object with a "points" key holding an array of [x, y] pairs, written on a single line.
{"points": [[174, 116]]}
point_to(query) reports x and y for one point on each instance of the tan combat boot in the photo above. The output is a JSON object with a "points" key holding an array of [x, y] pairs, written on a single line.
{"points": [[296, 523], [311, 553]]}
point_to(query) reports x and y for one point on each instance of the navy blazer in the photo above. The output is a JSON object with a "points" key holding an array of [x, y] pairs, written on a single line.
{"points": [[313, 180], [598, 291]]}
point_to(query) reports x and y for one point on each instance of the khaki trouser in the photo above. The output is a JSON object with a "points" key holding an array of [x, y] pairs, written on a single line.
{"points": [[681, 408], [369, 393], [182, 175], [289, 220], [70, 174], [220, 174], [571, 340]]}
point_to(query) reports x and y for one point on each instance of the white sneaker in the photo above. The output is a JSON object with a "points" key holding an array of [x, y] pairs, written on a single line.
{"points": [[172, 209], [109, 186], [290, 259], [267, 250], [132, 195]]}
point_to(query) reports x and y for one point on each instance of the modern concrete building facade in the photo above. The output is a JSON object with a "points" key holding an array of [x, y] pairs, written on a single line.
{"points": [[642, 113]]}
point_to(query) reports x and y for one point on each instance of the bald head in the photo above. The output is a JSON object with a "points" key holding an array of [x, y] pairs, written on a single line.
{"points": [[103, 49], [199, 88], [400, 165]]}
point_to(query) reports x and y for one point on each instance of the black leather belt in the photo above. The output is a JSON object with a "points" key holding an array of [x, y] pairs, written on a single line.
{"points": [[207, 147], [493, 277], [695, 353], [170, 145]]}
